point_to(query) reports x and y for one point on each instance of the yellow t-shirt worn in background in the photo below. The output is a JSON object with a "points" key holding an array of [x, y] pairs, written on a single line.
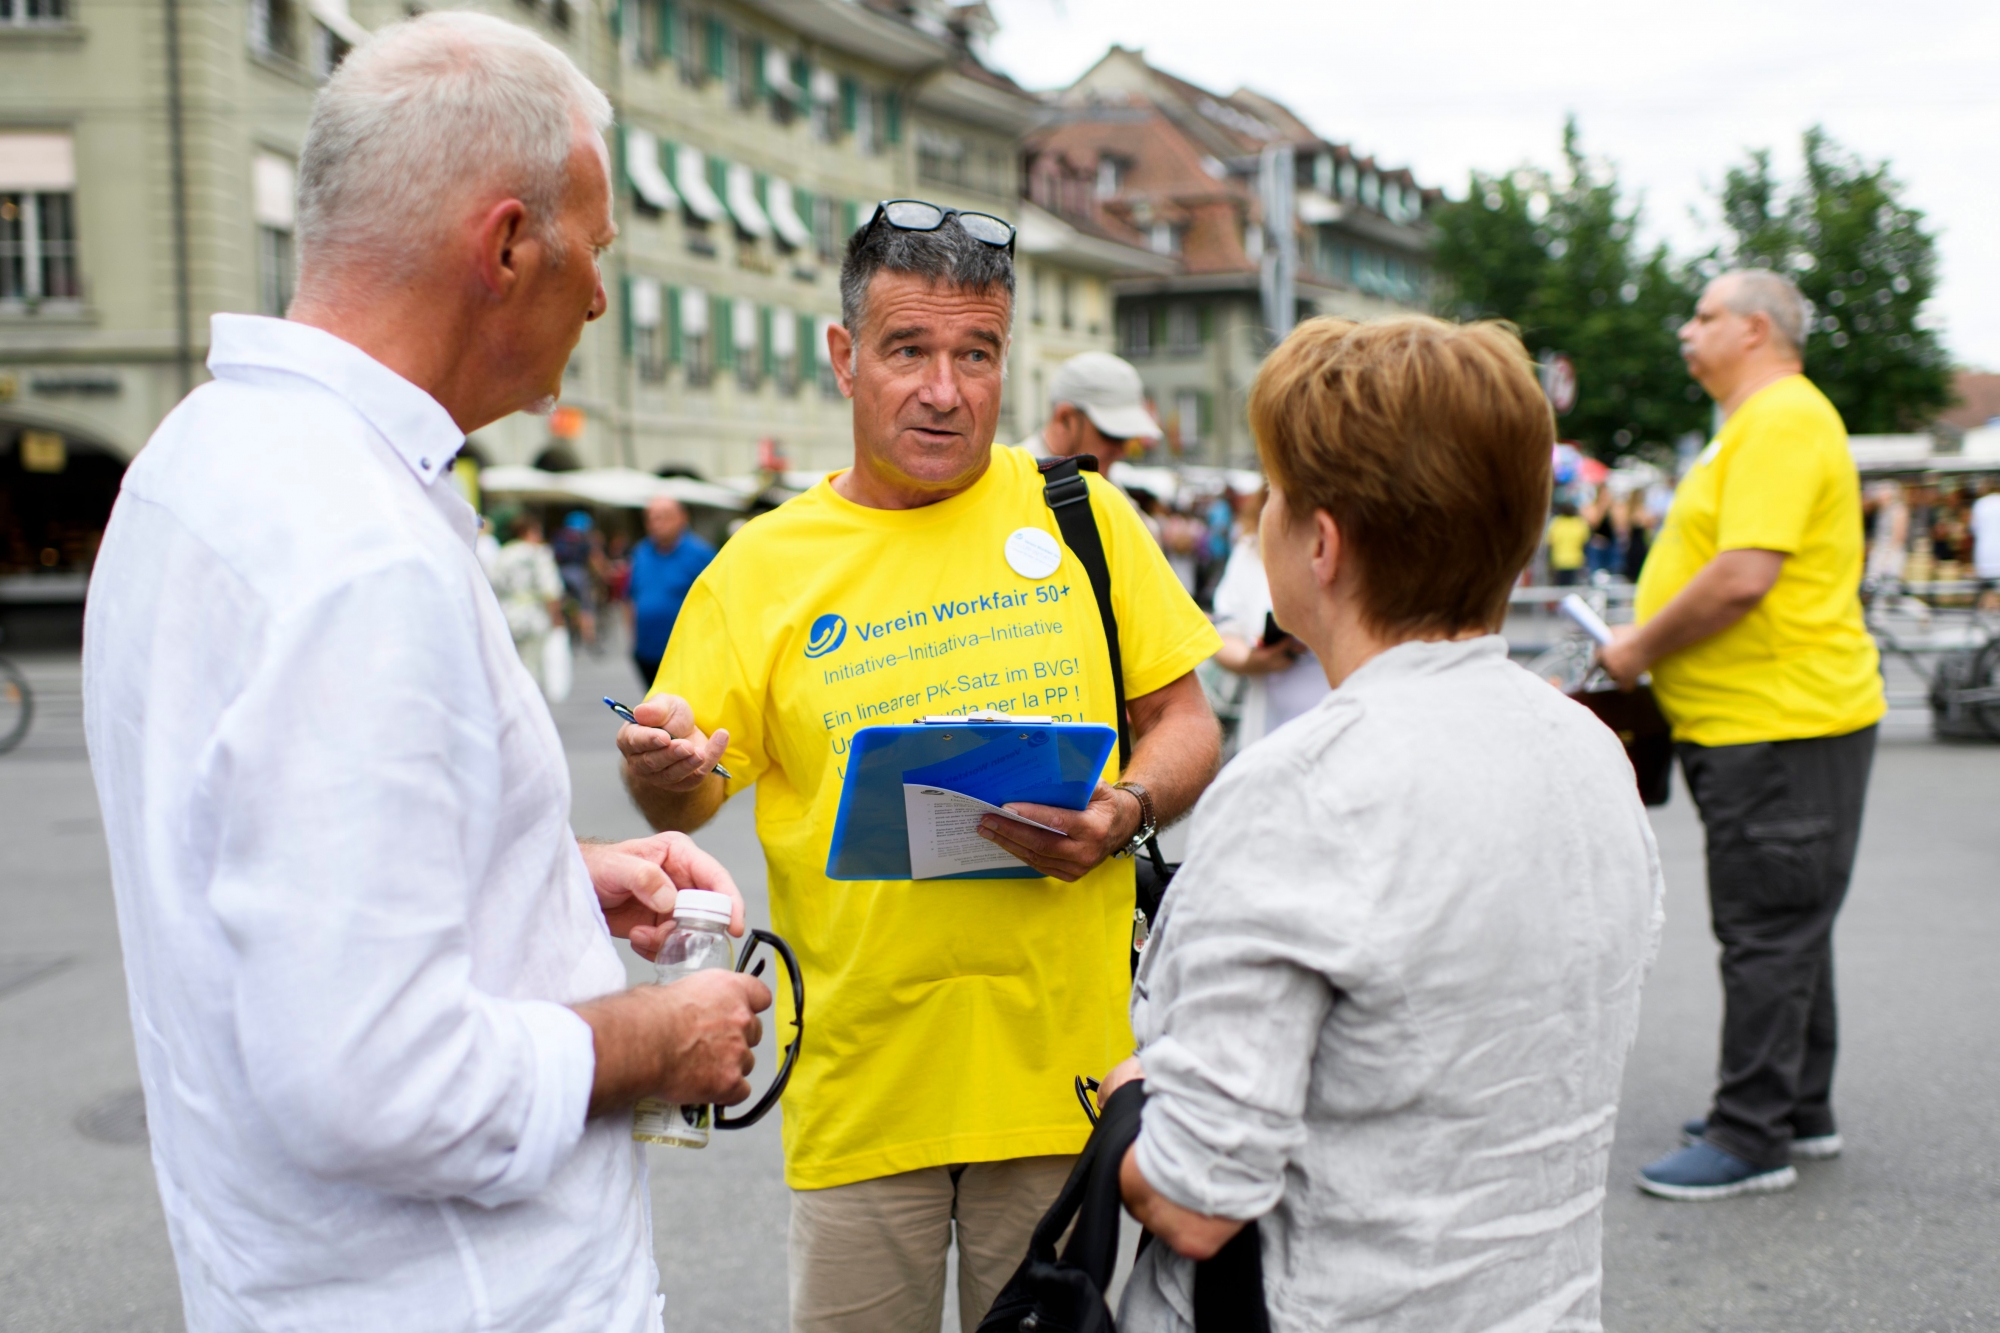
{"points": [[1777, 478], [945, 1019], [1568, 535]]}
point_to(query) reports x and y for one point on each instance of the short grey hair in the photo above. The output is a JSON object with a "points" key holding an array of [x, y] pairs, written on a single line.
{"points": [[947, 255], [426, 111], [1761, 291]]}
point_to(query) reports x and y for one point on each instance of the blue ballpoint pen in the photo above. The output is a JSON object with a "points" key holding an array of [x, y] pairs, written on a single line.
{"points": [[626, 713]]}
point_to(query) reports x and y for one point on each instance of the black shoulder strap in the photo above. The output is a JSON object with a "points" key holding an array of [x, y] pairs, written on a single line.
{"points": [[1068, 494]]}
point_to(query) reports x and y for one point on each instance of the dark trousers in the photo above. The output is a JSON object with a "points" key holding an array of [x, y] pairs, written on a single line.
{"points": [[1782, 818]]}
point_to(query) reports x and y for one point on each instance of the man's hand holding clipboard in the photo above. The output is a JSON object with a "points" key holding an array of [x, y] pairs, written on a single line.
{"points": [[1092, 833]]}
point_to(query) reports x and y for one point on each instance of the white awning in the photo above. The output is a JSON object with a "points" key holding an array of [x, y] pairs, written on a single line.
{"points": [[825, 86], [694, 311], [645, 303], [778, 74], [612, 487], [691, 176], [741, 191], [37, 162], [333, 16], [784, 333], [1314, 207], [743, 325], [642, 168], [779, 203], [274, 191]]}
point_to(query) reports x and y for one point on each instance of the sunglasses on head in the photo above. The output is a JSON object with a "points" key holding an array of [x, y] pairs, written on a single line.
{"points": [[916, 215]]}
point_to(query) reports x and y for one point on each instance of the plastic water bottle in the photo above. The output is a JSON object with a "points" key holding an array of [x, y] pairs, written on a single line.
{"points": [[699, 939]]}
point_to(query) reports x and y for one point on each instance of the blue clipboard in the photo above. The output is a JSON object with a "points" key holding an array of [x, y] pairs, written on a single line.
{"points": [[1047, 763]]}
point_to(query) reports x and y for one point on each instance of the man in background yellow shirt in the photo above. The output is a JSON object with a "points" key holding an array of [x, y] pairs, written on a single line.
{"points": [[932, 1101], [1749, 617]]}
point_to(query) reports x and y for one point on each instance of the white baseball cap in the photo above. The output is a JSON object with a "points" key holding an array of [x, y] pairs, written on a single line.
{"points": [[1108, 391]]}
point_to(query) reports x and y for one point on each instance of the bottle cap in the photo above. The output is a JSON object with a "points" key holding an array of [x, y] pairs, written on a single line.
{"points": [[701, 906]]}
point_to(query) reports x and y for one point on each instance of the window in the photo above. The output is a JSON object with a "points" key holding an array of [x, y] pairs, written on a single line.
{"points": [[696, 341], [715, 46], [1110, 176], [1065, 302], [829, 384], [892, 118], [648, 344], [273, 192], [782, 337], [24, 12], [38, 219], [1035, 278], [274, 28], [941, 157], [746, 349], [825, 223], [1183, 328], [1191, 418], [1166, 238], [1135, 331], [1349, 181]]}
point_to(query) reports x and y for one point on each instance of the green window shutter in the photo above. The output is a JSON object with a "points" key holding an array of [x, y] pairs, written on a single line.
{"points": [[722, 330], [850, 104], [619, 21], [1204, 323], [850, 219], [802, 78], [809, 351], [764, 341], [892, 118], [625, 314], [802, 204], [718, 175], [1159, 329], [758, 81], [762, 184], [1204, 415], [666, 41], [673, 299], [718, 47]]}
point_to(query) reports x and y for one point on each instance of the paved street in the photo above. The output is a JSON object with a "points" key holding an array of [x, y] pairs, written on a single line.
{"points": [[1898, 1235]]}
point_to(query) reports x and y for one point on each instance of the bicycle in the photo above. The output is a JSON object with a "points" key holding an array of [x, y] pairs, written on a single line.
{"points": [[1961, 679], [17, 705]]}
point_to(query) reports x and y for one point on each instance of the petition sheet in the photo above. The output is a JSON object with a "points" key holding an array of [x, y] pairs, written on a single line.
{"points": [[944, 832]]}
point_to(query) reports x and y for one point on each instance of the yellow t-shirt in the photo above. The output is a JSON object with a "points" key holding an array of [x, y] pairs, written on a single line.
{"points": [[1568, 535], [1777, 478], [945, 1019]]}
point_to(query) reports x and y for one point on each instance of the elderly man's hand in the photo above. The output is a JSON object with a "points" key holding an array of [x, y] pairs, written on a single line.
{"points": [[635, 883], [666, 750], [1095, 832], [1622, 658]]}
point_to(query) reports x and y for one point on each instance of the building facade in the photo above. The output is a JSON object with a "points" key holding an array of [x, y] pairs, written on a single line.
{"points": [[1265, 221], [147, 176]]}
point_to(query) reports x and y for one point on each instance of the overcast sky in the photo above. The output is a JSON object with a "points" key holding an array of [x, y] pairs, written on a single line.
{"points": [[1673, 94]]}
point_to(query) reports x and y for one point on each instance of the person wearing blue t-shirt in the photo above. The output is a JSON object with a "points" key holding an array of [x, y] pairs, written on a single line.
{"points": [[664, 567]]}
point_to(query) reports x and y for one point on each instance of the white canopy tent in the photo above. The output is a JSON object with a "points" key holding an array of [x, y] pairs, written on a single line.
{"points": [[610, 487]]}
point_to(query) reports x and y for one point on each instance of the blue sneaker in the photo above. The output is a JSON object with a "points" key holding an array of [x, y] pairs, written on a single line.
{"points": [[1703, 1171], [1818, 1148]]}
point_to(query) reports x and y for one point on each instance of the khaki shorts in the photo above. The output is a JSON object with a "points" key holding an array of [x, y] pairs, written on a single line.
{"points": [[870, 1257]]}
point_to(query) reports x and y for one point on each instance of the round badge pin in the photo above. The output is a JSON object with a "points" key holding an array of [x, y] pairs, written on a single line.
{"points": [[1033, 554]]}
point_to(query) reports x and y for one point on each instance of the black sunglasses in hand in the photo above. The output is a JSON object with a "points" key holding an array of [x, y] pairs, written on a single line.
{"points": [[916, 215]]}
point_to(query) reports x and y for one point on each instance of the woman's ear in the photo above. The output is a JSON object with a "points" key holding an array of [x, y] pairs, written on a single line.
{"points": [[1326, 548]]}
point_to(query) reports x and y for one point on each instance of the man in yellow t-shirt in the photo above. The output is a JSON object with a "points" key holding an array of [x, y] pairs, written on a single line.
{"points": [[948, 1018], [1749, 617]]}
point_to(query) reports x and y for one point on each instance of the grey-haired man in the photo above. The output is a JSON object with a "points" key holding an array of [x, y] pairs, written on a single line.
{"points": [[933, 1100], [1097, 406]]}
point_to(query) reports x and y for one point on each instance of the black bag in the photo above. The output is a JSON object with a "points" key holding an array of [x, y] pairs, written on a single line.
{"points": [[1068, 495], [1052, 1293], [1635, 718]]}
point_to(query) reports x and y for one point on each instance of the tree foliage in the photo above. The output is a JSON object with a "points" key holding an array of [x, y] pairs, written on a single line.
{"points": [[1560, 258], [1864, 260]]}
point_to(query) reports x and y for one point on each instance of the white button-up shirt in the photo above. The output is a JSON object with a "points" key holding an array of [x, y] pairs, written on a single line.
{"points": [[352, 908], [1389, 1001]]}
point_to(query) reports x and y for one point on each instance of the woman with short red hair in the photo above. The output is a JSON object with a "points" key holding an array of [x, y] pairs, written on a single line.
{"points": [[1388, 1003]]}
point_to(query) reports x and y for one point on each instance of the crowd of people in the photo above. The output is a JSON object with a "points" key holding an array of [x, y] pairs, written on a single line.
{"points": [[1359, 1057]]}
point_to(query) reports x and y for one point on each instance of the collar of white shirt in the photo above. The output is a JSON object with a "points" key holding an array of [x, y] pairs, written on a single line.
{"points": [[253, 347]]}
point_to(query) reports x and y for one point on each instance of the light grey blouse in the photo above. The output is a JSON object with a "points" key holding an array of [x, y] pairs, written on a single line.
{"points": [[1389, 1000]]}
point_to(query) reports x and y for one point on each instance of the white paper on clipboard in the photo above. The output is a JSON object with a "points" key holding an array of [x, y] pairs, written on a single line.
{"points": [[944, 832]]}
